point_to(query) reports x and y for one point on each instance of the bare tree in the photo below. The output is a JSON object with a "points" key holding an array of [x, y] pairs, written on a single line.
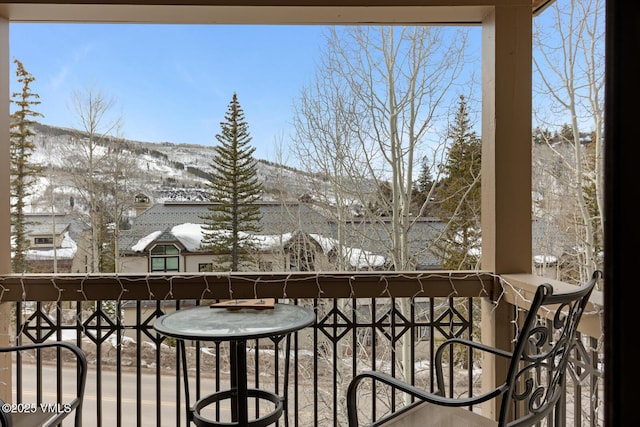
{"points": [[121, 185], [366, 122], [89, 159], [569, 60], [326, 122], [368, 119]]}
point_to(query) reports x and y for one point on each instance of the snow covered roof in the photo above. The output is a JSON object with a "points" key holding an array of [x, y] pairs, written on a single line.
{"points": [[190, 236], [365, 241], [67, 250], [358, 258], [46, 224], [277, 218], [141, 244]]}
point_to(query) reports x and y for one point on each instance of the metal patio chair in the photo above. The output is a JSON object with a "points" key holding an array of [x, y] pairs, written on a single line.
{"points": [[534, 381], [30, 413]]}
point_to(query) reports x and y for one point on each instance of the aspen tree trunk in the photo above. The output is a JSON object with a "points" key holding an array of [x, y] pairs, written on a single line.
{"points": [[365, 122], [569, 60], [89, 161]]}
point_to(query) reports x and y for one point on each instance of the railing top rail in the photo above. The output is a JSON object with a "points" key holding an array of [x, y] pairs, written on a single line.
{"points": [[172, 286], [229, 285], [518, 289]]}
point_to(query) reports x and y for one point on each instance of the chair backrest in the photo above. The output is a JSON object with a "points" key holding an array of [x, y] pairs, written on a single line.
{"points": [[536, 374], [5, 420]]}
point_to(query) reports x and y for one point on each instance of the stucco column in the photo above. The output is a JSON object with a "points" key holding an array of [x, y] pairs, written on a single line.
{"points": [[506, 167], [5, 221], [506, 139]]}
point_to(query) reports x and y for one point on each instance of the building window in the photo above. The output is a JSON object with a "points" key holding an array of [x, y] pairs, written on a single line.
{"points": [[165, 258], [205, 267], [43, 240], [265, 265], [302, 258]]}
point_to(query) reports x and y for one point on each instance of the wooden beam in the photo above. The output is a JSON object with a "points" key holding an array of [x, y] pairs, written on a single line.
{"points": [[79, 287]]}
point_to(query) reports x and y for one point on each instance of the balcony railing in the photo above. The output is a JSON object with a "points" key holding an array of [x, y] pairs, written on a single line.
{"points": [[382, 320]]}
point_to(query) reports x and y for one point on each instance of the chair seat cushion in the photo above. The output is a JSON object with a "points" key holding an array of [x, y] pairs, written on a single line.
{"points": [[30, 419], [427, 414]]}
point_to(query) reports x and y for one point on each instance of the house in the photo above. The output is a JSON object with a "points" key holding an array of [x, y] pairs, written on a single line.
{"points": [[52, 242], [295, 237]]}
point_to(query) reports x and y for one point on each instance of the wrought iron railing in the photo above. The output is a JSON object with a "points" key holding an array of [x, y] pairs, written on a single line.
{"points": [[386, 321]]}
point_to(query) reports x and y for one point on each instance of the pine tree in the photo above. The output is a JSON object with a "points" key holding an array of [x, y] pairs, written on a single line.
{"points": [[421, 190], [23, 172], [233, 189], [541, 136], [459, 196], [425, 179]]}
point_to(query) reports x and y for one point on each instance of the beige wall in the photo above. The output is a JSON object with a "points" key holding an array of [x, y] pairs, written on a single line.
{"points": [[189, 263], [57, 240], [253, 12], [5, 223], [82, 260], [133, 264]]}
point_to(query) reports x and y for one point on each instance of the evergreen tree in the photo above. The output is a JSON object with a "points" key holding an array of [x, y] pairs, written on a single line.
{"points": [[233, 189], [566, 133], [541, 136], [422, 188], [23, 172], [425, 178], [459, 196]]}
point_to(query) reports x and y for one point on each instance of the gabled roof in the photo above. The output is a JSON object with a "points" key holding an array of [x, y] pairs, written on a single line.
{"points": [[364, 241], [176, 221], [166, 236], [277, 218], [46, 224]]}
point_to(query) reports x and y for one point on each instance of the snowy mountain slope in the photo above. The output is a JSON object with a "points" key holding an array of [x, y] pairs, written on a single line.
{"points": [[165, 171]]}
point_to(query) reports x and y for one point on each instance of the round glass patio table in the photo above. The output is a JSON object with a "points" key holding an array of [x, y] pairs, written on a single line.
{"points": [[204, 323]]}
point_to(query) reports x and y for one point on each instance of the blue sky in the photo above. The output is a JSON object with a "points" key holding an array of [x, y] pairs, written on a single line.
{"points": [[174, 82], [171, 82]]}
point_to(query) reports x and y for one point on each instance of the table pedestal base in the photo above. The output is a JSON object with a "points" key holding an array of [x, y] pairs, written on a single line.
{"points": [[263, 421]]}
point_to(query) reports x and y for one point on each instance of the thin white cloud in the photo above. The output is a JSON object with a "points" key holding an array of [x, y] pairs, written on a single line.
{"points": [[186, 76], [78, 56], [82, 52], [59, 78]]}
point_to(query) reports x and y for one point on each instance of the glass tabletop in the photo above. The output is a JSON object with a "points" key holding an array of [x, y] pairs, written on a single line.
{"points": [[215, 324]]}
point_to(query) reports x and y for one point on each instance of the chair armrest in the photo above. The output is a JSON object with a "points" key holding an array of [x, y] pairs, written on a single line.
{"points": [[77, 351], [71, 347], [473, 344], [81, 360], [411, 390]]}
